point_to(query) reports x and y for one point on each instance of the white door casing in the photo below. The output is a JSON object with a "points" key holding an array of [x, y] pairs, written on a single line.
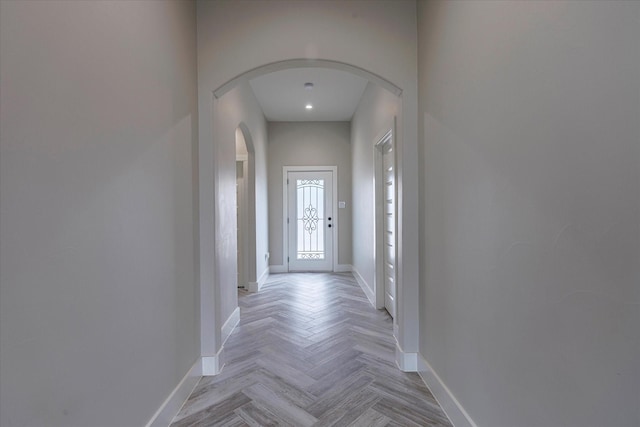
{"points": [[389, 237], [386, 224], [310, 222]]}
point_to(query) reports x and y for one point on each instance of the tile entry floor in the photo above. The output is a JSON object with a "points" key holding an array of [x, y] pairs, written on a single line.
{"points": [[310, 350]]}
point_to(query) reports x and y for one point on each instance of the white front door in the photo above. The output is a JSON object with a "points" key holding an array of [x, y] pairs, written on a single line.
{"points": [[310, 220]]}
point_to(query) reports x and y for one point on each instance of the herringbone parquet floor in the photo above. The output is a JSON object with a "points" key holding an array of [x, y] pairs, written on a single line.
{"points": [[310, 351]]}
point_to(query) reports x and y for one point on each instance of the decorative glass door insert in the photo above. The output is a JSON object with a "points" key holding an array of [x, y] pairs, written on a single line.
{"points": [[310, 224], [310, 218]]}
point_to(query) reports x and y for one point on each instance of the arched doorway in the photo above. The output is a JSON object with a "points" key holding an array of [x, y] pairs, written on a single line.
{"points": [[405, 327]]}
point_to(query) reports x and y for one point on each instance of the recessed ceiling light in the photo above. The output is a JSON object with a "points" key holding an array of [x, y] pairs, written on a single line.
{"points": [[308, 86], [308, 106]]}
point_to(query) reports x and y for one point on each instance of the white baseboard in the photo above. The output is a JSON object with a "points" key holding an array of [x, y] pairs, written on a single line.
{"points": [[339, 268], [278, 269], [447, 401], [365, 288], [343, 268], [407, 362], [168, 410], [264, 276], [230, 324], [212, 365], [255, 286]]}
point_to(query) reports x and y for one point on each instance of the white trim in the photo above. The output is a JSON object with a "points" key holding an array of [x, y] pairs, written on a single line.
{"points": [[275, 269], [407, 362], [211, 365], [386, 135], [255, 286], [447, 401], [365, 287], [171, 406], [230, 324], [285, 215], [264, 276], [285, 208], [343, 268], [207, 236], [242, 157]]}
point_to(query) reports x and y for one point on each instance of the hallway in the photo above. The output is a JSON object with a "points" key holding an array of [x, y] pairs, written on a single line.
{"points": [[310, 350], [516, 225]]}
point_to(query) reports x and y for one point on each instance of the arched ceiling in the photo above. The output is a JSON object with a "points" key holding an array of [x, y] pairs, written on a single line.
{"points": [[282, 94]]}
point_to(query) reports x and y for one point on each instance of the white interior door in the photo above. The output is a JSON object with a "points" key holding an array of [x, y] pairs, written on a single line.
{"points": [[310, 220], [389, 228]]}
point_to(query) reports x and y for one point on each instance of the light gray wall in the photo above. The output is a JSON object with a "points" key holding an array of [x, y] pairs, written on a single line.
{"points": [[241, 145], [381, 37], [530, 147], [309, 144], [239, 106], [98, 296], [374, 116]]}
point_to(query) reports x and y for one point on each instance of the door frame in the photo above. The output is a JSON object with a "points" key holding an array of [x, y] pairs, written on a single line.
{"points": [[387, 135], [243, 222], [285, 209]]}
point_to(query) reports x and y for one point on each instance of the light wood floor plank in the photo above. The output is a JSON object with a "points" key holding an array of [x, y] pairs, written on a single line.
{"points": [[370, 418]]}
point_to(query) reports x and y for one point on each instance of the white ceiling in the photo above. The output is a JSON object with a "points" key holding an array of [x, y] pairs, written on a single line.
{"points": [[283, 97]]}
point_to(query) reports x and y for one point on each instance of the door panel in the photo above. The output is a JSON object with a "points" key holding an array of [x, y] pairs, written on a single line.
{"points": [[389, 231], [310, 220]]}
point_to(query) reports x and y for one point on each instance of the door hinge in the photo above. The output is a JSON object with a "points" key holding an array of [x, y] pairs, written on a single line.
{"points": [[287, 259], [287, 220], [287, 181]]}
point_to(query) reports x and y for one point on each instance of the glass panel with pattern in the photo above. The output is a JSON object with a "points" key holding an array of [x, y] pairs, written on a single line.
{"points": [[310, 221]]}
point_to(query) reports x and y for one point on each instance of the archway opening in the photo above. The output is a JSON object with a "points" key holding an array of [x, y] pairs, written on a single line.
{"points": [[227, 95]]}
